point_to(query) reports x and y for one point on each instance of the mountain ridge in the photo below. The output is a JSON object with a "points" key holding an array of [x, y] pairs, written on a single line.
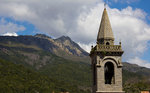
{"points": [[64, 48], [48, 56]]}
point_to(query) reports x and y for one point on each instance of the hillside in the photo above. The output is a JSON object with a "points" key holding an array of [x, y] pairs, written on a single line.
{"points": [[62, 60], [19, 79], [30, 54], [135, 78], [136, 69]]}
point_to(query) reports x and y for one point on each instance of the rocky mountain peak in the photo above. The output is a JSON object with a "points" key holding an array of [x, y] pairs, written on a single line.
{"points": [[71, 46], [42, 36], [63, 38]]}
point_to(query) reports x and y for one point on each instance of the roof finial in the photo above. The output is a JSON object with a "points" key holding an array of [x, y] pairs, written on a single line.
{"points": [[106, 2], [105, 5], [120, 42]]}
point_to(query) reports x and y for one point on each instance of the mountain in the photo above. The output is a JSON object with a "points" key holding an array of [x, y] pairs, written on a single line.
{"points": [[36, 53], [63, 46], [64, 61], [135, 78], [66, 48], [37, 50], [46, 43], [136, 69]]}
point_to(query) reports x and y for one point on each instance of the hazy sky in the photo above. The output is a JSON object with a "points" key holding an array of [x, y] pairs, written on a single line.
{"points": [[80, 20]]}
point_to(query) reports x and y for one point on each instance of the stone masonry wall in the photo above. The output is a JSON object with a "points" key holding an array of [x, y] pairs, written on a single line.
{"points": [[101, 86]]}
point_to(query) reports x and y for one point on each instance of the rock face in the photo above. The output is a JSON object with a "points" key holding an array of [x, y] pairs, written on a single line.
{"points": [[64, 44], [60, 46]]}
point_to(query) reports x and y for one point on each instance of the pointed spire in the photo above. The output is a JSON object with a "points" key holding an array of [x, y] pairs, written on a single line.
{"points": [[105, 30]]}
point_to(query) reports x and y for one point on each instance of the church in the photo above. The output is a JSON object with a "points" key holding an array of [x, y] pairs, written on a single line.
{"points": [[106, 60]]}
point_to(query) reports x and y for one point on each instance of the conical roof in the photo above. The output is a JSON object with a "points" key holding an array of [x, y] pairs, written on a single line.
{"points": [[105, 30]]}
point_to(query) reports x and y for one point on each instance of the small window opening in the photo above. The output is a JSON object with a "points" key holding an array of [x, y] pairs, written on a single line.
{"points": [[109, 73], [107, 43]]}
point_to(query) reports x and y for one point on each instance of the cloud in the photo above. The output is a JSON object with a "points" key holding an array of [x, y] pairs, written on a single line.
{"points": [[86, 47], [128, 25], [10, 34], [53, 17], [9, 27], [87, 25], [137, 60]]}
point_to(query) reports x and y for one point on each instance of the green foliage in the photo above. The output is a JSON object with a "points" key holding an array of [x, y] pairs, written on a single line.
{"points": [[18, 79], [129, 76], [135, 82], [71, 72], [78, 73], [137, 87]]}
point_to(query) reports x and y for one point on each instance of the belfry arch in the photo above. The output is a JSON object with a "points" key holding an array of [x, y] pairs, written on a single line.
{"points": [[109, 73]]}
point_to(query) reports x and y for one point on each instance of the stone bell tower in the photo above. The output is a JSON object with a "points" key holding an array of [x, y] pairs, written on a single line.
{"points": [[106, 60]]}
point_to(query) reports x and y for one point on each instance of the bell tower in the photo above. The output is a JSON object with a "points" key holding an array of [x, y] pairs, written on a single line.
{"points": [[106, 60]]}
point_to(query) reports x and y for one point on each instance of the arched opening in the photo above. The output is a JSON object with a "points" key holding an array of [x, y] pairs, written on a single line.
{"points": [[109, 73], [107, 43]]}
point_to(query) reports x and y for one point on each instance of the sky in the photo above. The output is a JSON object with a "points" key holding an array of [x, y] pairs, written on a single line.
{"points": [[80, 20]]}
